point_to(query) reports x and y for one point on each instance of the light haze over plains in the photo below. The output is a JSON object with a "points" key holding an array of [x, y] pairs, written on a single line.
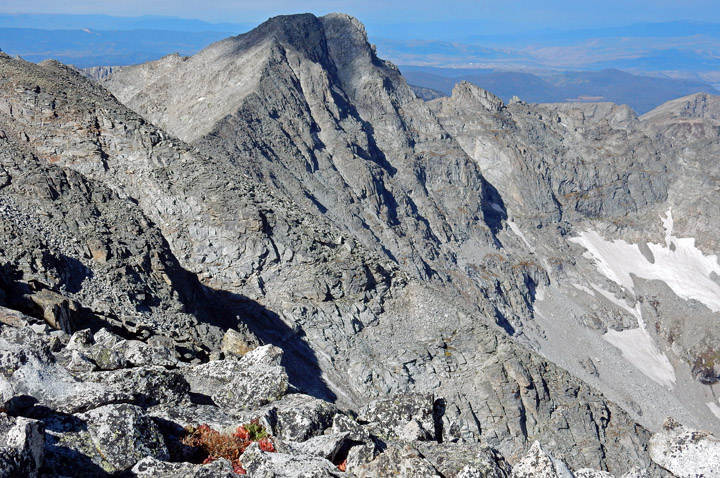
{"points": [[492, 16]]}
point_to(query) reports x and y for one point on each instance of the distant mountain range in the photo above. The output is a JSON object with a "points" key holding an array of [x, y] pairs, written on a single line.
{"points": [[642, 93], [93, 40], [659, 61], [86, 48], [675, 49], [108, 22]]}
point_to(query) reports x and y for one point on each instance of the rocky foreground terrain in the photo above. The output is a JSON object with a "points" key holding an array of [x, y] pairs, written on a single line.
{"points": [[273, 258]]}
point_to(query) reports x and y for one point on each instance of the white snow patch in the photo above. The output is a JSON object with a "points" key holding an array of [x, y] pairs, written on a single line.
{"points": [[638, 348], [539, 293], [686, 270], [714, 408], [202, 98], [637, 345], [519, 234], [668, 226], [584, 289]]}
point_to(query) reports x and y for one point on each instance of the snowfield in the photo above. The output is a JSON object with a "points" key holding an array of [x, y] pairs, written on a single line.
{"points": [[682, 266], [678, 263]]}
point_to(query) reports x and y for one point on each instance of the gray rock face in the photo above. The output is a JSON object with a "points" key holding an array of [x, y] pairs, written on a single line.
{"points": [[150, 467], [539, 464], [684, 452], [398, 460], [22, 448], [464, 460], [326, 124], [251, 382], [29, 370], [260, 463], [409, 417], [382, 246], [300, 417], [123, 435]]}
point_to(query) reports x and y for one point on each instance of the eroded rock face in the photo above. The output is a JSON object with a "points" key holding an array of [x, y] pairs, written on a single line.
{"points": [[539, 464], [150, 467], [254, 380], [325, 123], [145, 434], [123, 435], [258, 462], [340, 219], [685, 452], [409, 417], [22, 447]]}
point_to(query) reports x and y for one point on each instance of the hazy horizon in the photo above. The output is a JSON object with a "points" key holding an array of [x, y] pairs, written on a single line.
{"points": [[487, 17]]}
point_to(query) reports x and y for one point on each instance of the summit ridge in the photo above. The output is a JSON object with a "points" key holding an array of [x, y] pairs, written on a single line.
{"points": [[292, 236]]}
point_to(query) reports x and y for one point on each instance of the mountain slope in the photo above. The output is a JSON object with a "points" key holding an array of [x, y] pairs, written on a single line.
{"points": [[641, 92], [352, 325], [514, 212], [494, 204]]}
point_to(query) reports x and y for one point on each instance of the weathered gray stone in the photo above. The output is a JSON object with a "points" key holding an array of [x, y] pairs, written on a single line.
{"points": [[324, 446], [148, 385], [150, 467], [28, 367], [685, 452], [539, 464], [268, 355], [300, 417], [139, 354], [80, 340], [397, 460], [236, 385], [473, 459], [259, 463], [588, 473], [637, 473], [22, 448], [414, 431], [79, 362], [123, 435], [252, 388], [360, 455], [344, 424], [406, 416]]}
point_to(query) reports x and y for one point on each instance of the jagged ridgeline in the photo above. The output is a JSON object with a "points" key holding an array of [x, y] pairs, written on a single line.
{"points": [[403, 262]]}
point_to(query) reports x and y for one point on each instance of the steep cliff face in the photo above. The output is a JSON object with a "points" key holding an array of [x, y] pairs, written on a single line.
{"points": [[513, 212], [353, 326], [387, 245], [336, 130], [492, 203], [634, 194]]}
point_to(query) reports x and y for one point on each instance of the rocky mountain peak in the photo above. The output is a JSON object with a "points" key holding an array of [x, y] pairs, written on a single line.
{"points": [[302, 32], [462, 276], [700, 106], [468, 94]]}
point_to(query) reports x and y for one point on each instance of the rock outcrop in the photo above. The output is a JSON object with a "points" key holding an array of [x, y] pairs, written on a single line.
{"points": [[353, 326], [403, 262], [684, 452], [141, 422], [492, 204]]}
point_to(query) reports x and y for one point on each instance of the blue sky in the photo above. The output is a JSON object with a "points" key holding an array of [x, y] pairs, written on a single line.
{"points": [[495, 16]]}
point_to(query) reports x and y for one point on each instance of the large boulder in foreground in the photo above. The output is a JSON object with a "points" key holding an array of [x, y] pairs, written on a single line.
{"points": [[684, 452]]}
